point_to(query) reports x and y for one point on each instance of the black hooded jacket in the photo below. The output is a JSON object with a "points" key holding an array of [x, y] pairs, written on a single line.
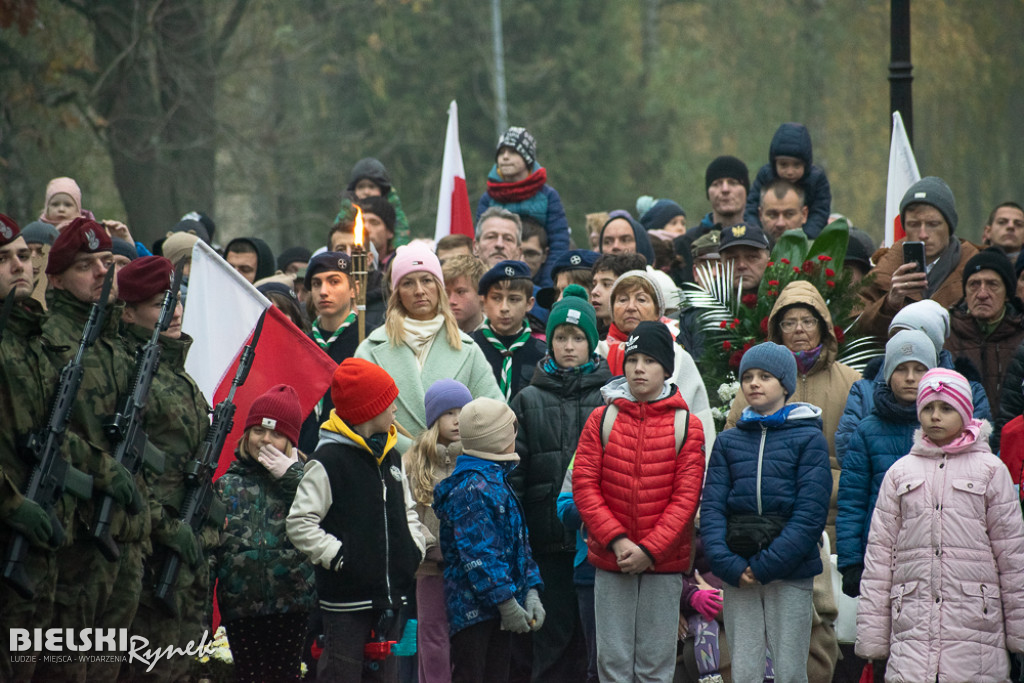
{"points": [[551, 414]]}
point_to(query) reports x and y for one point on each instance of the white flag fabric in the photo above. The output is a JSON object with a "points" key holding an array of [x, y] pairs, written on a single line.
{"points": [[222, 311], [902, 174], [453, 212]]}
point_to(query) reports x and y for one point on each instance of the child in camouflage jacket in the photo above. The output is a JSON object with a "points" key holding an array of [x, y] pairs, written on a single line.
{"points": [[265, 586]]}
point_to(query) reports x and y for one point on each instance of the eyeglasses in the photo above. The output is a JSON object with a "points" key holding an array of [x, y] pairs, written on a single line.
{"points": [[803, 323]]}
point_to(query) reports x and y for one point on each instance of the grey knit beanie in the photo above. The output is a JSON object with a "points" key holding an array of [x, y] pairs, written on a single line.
{"points": [[775, 359], [926, 315], [935, 192], [908, 345]]}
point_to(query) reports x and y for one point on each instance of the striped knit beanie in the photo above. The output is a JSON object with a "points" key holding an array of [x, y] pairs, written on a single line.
{"points": [[950, 387]]}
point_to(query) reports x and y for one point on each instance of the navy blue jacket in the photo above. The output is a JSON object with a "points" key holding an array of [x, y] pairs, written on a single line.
{"points": [[861, 400], [881, 439], [794, 140], [483, 538], [545, 207], [794, 480]]}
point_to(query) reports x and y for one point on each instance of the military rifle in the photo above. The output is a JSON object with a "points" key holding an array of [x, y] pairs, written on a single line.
{"points": [[126, 429], [199, 474], [52, 474]]}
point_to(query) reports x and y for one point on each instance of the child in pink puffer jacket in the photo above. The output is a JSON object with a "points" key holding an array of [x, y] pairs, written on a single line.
{"points": [[942, 595]]}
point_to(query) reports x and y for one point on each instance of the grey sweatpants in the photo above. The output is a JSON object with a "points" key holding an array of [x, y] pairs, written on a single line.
{"points": [[637, 626], [777, 615]]}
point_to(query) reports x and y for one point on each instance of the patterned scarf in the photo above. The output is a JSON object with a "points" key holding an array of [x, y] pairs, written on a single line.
{"points": [[510, 193], [505, 382], [805, 360], [318, 337]]}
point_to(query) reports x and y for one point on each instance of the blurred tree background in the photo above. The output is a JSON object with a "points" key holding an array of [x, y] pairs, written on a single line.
{"points": [[254, 111]]}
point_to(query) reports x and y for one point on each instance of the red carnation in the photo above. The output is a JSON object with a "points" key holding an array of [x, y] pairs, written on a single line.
{"points": [[784, 260], [808, 267], [722, 324], [840, 335], [726, 345], [773, 283], [735, 359], [747, 346], [749, 300], [796, 270], [772, 292], [771, 263], [830, 273], [764, 326], [824, 258], [830, 283]]}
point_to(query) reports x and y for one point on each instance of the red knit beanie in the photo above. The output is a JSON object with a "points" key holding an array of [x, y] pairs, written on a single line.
{"points": [[361, 390], [277, 409]]}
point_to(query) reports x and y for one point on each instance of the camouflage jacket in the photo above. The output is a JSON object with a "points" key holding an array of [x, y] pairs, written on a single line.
{"points": [[27, 382], [106, 381], [259, 570], [176, 422]]}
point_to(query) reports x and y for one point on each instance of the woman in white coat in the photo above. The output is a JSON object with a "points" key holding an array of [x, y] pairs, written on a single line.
{"points": [[420, 341]]}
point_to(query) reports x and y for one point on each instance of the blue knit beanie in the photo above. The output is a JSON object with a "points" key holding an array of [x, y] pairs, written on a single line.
{"points": [[442, 396], [775, 359]]}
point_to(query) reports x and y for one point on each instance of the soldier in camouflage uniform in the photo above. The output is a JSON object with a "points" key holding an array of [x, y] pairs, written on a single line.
{"points": [[85, 593], [27, 380], [265, 585], [176, 421]]}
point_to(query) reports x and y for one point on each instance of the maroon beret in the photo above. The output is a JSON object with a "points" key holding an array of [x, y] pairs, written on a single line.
{"points": [[81, 235], [144, 278], [9, 230]]}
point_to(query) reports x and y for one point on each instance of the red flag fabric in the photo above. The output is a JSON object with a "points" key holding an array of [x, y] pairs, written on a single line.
{"points": [[284, 355]]}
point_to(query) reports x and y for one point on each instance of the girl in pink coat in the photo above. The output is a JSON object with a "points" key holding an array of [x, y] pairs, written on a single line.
{"points": [[942, 594]]}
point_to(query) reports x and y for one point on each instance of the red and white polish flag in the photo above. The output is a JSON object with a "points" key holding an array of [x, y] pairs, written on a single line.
{"points": [[902, 174], [453, 213], [221, 313]]}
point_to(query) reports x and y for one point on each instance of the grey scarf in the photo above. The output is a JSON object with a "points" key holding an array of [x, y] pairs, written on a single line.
{"points": [[944, 266]]}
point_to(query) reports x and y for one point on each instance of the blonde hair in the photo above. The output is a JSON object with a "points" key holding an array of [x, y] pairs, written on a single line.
{"points": [[394, 317], [422, 463]]}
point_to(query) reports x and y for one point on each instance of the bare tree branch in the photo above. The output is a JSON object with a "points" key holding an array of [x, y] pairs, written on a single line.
{"points": [[228, 30]]}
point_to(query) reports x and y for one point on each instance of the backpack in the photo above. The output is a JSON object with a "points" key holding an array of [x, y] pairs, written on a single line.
{"points": [[682, 425]]}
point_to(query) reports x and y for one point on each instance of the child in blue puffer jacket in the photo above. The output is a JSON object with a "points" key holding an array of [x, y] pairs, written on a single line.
{"points": [[763, 511], [881, 439]]}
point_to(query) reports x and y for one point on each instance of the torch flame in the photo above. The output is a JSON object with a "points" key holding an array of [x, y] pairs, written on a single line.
{"points": [[357, 228]]}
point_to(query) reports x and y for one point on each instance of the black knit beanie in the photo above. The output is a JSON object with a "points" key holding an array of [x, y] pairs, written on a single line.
{"points": [[727, 167], [653, 339]]}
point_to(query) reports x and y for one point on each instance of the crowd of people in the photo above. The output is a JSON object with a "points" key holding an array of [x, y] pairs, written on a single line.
{"points": [[519, 463]]}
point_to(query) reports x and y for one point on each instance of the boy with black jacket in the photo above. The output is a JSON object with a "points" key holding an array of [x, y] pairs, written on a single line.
{"points": [[354, 517]]}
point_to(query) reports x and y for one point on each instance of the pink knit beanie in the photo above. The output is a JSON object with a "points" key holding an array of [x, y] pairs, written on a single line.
{"points": [[63, 186], [412, 258], [949, 387]]}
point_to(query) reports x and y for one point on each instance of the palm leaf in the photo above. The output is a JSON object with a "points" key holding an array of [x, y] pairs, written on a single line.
{"points": [[832, 242], [792, 246]]}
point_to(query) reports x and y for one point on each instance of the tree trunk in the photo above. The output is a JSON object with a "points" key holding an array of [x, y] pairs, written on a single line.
{"points": [[156, 95]]}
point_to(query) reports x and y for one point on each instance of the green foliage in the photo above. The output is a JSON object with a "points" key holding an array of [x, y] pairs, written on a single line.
{"points": [[620, 105]]}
